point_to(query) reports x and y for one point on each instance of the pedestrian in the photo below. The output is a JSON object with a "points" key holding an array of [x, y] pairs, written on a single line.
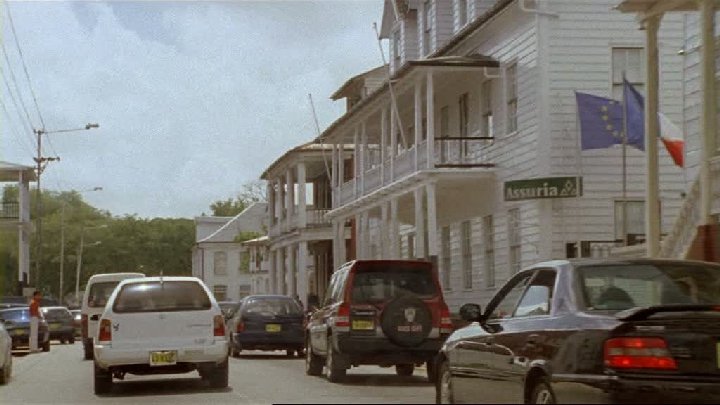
{"points": [[35, 321]]}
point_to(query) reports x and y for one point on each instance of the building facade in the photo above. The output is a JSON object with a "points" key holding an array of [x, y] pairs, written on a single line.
{"points": [[454, 160], [219, 258]]}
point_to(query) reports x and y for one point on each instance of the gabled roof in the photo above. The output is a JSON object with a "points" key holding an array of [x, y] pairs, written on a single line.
{"points": [[235, 225], [355, 81], [11, 171], [311, 146]]}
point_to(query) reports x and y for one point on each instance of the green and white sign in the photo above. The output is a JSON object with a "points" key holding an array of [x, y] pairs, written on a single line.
{"points": [[545, 187]]}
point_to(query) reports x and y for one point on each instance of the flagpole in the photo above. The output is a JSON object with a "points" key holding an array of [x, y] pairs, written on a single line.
{"points": [[624, 165], [579, 180]]}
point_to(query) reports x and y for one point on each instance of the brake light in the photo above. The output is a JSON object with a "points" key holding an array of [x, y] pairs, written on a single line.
{"points": [[638, 352], [342, 319], [218, 326], [105, 331], [240, 327], [84, 325], [446, 326]]}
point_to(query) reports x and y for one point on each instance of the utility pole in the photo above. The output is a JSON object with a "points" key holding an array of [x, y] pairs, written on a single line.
{"points": [[62, 253]]}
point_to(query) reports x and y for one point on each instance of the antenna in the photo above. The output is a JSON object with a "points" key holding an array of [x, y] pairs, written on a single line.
{"points": [[393, 102], [317, 128]]}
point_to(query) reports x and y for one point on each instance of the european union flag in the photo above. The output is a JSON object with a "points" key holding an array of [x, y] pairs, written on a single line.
{"points": [[634, 115], [601, 121]]}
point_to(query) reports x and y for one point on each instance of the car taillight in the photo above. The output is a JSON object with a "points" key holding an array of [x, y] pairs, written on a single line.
{"points": [[105, 331], [240, 327], [342, 319], [84, 324], [446, 325], [218, 326], [638, 353]]}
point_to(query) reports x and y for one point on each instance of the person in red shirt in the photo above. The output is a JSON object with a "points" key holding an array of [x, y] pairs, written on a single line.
{"points": [[34, 321]]}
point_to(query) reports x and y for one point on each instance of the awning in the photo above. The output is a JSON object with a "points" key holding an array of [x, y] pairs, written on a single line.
{"points": [[473, 60]]}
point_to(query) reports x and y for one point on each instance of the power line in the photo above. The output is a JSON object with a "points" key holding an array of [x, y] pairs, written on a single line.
{"points": [[22, 59], [27, 126], [21, 141], [17, 88]]}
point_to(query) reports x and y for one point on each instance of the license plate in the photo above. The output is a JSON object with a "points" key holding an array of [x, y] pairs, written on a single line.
{"points": [[273, 327], [54, 326], [19, 332], [163, 358], [360, 324]]}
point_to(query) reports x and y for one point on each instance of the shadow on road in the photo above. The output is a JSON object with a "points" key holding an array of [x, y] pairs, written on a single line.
{"points": [[174, 386], [385, 380], [266, 356]]}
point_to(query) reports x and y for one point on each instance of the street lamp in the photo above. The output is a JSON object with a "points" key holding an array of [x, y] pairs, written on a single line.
{"points": [[38, 204], [79, 256], [62, 241]]}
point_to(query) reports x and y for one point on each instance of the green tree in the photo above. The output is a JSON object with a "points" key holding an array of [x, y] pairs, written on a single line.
{"points": [[250, 193]]}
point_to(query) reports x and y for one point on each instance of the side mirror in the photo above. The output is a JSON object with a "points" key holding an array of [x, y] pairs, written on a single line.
{"points": [[471, 312]]}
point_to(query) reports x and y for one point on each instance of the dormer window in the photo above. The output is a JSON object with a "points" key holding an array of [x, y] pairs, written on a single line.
{"points": [[396, 48], [462, 13], [427, 27]]}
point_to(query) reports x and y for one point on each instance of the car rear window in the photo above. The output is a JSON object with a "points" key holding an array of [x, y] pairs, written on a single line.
{"points": [[271, 307], [56, 314], [382, 282], [620, 287], [154, 296], [100, 292], [15, 315]]}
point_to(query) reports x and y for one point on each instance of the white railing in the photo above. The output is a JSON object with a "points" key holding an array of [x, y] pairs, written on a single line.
{"points": [[347, 191], [404, 164], [372, 179], [316, 217], [677, 243]]}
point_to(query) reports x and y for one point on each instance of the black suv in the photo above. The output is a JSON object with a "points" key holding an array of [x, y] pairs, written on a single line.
{"points": [[381, 312]]}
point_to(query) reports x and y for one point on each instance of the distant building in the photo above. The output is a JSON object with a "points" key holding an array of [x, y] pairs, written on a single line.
{"points": [[219, 259]]}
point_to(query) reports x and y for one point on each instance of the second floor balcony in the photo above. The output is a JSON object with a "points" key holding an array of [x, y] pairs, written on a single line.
{"points": [[9, 210], [314, 218]]}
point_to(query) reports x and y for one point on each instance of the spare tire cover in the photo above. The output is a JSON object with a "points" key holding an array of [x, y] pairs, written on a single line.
{"points": [[406, 321]]}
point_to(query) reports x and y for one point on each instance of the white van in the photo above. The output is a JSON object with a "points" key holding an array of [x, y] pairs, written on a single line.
{"points": [[98, 290]]}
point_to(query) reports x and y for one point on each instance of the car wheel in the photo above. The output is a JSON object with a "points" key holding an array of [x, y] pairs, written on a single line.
{"points": [[404, 370], [88, 351], [300, 352], [443, 385], [103, 380], [542, 393], [430, 369], [289, 352], [313, 363], [46, 346], [62, 341], [71, 340], [332, 371], [218, 377], [236, 352]]}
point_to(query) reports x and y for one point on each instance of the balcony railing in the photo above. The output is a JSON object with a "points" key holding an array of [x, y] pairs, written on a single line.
{"points": [[316, 217], [462, 152], [9, 210]]}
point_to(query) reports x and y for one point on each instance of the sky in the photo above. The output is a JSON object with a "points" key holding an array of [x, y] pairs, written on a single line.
{"points": [[194, 99]]}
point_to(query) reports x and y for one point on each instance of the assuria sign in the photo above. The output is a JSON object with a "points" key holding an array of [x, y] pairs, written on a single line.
{"points": [[545, 187]]}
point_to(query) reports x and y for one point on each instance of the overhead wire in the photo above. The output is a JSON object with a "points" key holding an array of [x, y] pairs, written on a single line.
{"points": [[13, 130], [23, 120]]}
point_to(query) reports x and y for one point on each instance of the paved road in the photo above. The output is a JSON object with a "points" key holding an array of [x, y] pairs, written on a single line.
{"points": [[62, 377]]}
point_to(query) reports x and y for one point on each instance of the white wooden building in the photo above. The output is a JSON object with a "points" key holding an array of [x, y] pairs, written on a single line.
{"points": [[484, 96], [221, 261]]}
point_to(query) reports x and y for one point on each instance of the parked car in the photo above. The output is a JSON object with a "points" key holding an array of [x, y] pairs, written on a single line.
{"points": [[268, 322], [97, 291], [60, 323], [6, 360], [382, 312], [77, 321], [590, 331], [161, 325], [17, 324]]}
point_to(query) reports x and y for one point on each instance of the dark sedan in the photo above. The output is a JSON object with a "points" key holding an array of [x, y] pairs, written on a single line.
{"points": [[590, 331], [268, 322], [61, 324], [17, 324]]}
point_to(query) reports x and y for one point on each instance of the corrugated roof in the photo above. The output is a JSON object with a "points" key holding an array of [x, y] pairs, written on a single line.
{"points": [[10, 171]]}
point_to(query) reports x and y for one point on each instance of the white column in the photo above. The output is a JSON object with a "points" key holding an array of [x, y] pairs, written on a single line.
{"points": [[366, 235], [419, 223], [383, 143], [302, 274], [363, 156], [290, 197], [384, 230], [432, 230], [708, 123], [341, 250], [430, 113], [271, 203], [340, 168], [393, 142], [335, 189], [356, 165], [302, 197], [359, 237], [274, 260], [652, 193], [24, 229], [282, 183], [292, 266], [418, 121], [281, 271], [394, 230]]}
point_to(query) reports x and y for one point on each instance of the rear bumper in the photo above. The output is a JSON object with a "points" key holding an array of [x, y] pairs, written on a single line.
{"points": [[613, 389], [107, 356], [62, 332], [268, 341], [378, 350]]}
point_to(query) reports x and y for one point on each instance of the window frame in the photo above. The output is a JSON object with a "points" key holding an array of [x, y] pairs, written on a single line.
{"points": [[216, 268], [486, 108], [446, 252], [489, 250], [511, 98], [220, 287], [618, 208], [551, 307], [427, 28], [618, 84], [463, 13], [514, 239], [466, 253], [503, 292]]}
